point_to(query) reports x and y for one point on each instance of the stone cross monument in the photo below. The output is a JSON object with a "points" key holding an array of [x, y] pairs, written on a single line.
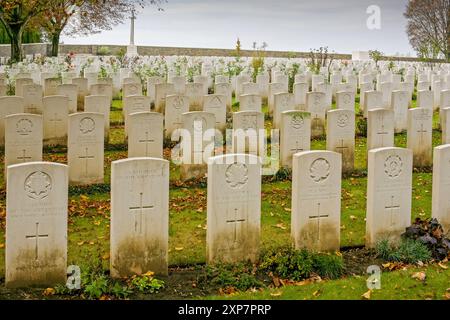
{"points": [[132, 49]]}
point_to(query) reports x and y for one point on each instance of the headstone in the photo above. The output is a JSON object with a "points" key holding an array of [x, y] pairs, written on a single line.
{"points": [[345, 100], [282, 102], [341, 136], [380, 128], [225, 90], [195, 93], [445, 125], [263, 81], [23, 138], [99, 104], [315, 104], [233, 209], [151, 90], [85, 152], [216, 105], [316, 200], [364, 87], [9, 105], [372, 100], [444, 99], [131, 89], [248, 132], [419, 137], [400, 106], [300, 90], [133, 104], [295, 135], [425, 99], [179, 84], [250, 102], [71, 92], [32, 94], [275, 88], [51, 86], [162, 90], [145, 135], [389, 185], [176, 105], [102, 89], [139, 217], [441, 186], [197, 143], [19, 85], [36, 224], [83, 91], [55, 112]]}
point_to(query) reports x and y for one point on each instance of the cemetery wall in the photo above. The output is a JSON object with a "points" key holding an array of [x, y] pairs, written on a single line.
{"points": [[45, 49]]}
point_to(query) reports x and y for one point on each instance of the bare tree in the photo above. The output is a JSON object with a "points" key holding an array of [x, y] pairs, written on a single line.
{"points": [[429, 25]]}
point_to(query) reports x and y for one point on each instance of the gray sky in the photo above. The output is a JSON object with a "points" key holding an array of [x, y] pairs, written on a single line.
{"points": [[284, 24]]}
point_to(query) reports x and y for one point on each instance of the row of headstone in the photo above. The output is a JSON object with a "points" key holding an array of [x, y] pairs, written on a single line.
{"points": [[36, 225]]}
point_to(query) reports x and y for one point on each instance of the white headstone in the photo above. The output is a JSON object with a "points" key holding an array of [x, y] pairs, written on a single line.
{"points": [[234, 209], [145, 135], [36, 224], [341, 136], [441, 185], [316, 200], [380, 129], [295, 135], [419, 137], [389, 188], [139, 216], [85, 154]]}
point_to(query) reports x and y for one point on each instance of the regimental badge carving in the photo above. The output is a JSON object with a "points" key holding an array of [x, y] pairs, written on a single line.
{"points": [[236, 175], [342, 120], [249, 122], [199, 124], [347, 99], [38, 185], [297, 121], [177, 102], [320, 170], [393, 166], [24, 127], [87, 125]]}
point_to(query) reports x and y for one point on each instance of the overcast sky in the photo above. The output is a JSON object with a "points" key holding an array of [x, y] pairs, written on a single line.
{"points": [[290, 25]]}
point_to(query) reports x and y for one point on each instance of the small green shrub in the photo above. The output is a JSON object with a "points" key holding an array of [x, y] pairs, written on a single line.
{"points": [[147, 283], [239, 276], [289, 263], [407, 251]]}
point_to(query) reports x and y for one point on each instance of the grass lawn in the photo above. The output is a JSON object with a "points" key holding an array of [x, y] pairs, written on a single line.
{"points": [[89, 212]]}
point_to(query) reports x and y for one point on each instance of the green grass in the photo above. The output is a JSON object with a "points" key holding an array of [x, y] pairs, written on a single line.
{"points": [[89, 224], [394, 285]]}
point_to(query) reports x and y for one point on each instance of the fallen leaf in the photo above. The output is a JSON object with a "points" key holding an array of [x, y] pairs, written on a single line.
{"points": [[316, 293], [281, 226], [288, 209], [179, 248], [2, 245], [367, 295], [48, 292], [443, 266], [105, 256], [421, 276], [276, 294], [80, 243], [353, 218]]}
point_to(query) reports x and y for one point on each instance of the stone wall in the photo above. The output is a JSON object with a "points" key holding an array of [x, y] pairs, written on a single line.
{"points": [[44, 49]]}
